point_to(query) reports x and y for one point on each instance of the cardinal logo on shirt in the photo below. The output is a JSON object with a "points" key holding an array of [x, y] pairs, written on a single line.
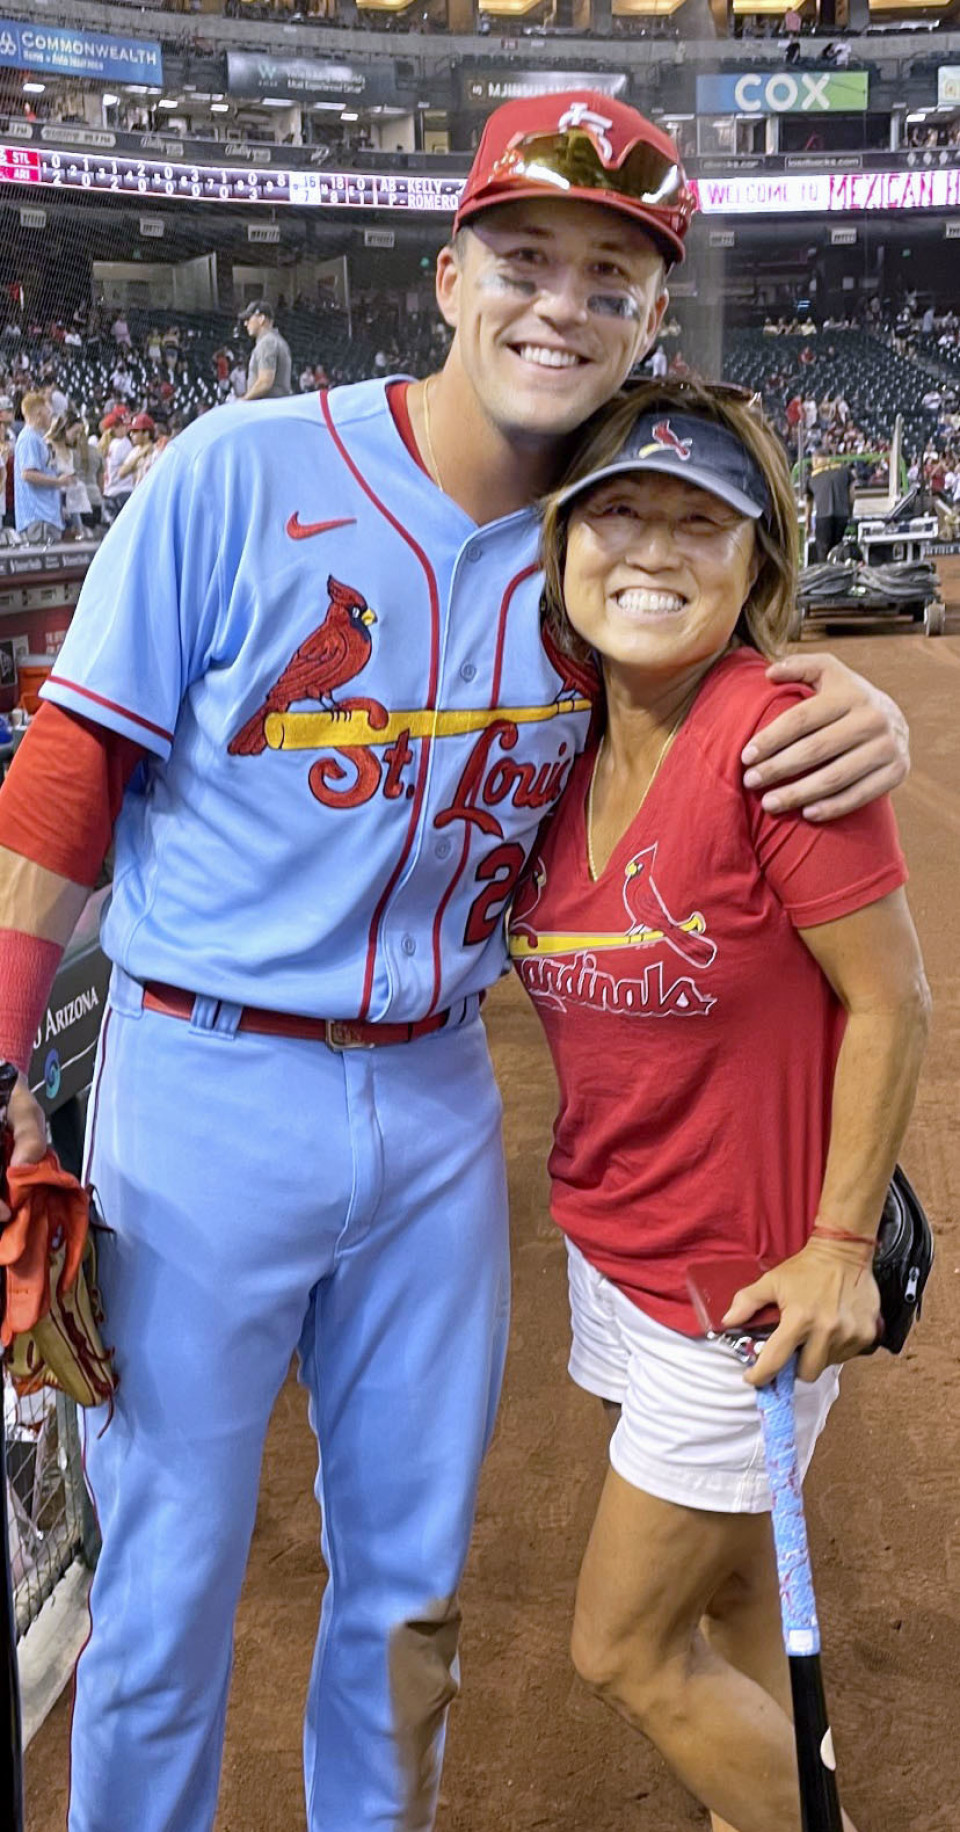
{"points": [[334, 653], [572, 967], [649, 913]]}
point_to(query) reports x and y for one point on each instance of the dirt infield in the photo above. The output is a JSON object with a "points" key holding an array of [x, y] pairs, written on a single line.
{"points": [[528, 1749]]}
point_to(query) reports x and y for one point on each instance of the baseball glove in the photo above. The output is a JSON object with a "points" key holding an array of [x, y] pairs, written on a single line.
{"points": [[53, 1313]]}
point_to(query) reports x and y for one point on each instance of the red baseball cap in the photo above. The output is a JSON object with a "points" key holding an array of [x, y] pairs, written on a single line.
{"points": [[578, 143], [142, 423], [118, 416]]}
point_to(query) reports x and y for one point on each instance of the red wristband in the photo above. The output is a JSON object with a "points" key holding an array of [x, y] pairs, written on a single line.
{"points": [[27, 968], [855, 1240]]}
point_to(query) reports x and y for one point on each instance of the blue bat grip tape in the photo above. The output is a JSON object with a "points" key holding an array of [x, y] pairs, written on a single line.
{"points": [[801, 1630]]}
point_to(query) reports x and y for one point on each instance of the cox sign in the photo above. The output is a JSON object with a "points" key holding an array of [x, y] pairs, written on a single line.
{"points": [[806, 92]]}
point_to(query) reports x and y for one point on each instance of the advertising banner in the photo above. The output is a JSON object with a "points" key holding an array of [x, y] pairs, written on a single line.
{"points": [[254, 73], [824, 192], [487, 88], [784, 92], [69, 51]]}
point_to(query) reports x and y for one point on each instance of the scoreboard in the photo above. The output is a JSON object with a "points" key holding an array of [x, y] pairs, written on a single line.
{"points": [[155, 179], [816, 193]]}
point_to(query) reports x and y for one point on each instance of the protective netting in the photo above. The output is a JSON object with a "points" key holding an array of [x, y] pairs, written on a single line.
{"points": [[140, 302], [50, 1521]]}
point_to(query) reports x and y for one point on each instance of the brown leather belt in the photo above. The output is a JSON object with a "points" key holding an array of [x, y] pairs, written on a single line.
{"points": [[338, 1033]]}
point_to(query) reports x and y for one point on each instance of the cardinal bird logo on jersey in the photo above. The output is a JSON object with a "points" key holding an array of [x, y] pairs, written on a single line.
{"points": [[669, 441], [647, 910], [336, 652]]}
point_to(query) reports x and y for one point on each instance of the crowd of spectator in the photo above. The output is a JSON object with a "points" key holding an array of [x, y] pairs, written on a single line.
{"points": [[90, 400], [934, 133], [833, 390]]}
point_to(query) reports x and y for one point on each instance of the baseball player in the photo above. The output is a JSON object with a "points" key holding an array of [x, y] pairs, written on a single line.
{"points": [[322, 724]]}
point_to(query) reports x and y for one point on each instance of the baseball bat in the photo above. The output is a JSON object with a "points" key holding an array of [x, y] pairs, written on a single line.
{"points": [[819, 1799], [11, 1734]]}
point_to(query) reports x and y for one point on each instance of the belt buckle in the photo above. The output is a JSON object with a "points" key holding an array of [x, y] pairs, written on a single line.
{"points": [[335, 1037]]}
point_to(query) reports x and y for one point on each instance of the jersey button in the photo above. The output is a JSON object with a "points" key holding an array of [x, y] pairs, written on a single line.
{"points": [[442, 849], [468, 672], [408, 945], [475, 554]]}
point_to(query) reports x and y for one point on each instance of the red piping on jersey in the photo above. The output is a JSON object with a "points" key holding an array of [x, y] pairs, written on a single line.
{"points": [[431, 702], [88, 1159], [441, 912], [86, 693], [505, 603]]}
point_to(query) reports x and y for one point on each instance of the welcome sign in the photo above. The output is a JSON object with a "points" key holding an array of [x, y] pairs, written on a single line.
{"points": [[66, 51], [784, 92]]}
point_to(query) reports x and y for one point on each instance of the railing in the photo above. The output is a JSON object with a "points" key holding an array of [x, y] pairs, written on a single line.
{"points": [[65, 137], [889, 51]]}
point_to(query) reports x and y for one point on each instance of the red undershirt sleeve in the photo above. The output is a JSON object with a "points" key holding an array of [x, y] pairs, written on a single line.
{"points": [[62, 793]]}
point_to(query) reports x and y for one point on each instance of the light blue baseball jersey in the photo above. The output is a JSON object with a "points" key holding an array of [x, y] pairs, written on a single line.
{"points": [[354, 726]]}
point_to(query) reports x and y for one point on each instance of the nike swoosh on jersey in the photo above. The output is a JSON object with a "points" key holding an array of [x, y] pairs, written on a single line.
{"points": [[301, 531]]}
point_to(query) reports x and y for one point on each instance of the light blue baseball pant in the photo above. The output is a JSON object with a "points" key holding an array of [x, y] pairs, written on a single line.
{"points": [[267, 1196]]}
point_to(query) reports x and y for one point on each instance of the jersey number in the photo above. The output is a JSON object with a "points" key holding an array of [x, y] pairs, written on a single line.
{"points": [[498, 872]]}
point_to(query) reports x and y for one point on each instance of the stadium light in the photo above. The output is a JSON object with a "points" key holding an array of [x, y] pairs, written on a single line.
{"points": [[34, 88], [275, 101], [165, 102], [219, 108], [109, 101], [348, 115]]}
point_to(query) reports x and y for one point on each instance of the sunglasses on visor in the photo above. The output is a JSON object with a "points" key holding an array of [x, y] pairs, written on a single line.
{"points": [[719, 391], [571, 161]]}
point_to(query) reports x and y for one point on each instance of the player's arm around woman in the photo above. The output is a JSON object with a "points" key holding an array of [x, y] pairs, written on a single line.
{"points": [[737, 1064]]}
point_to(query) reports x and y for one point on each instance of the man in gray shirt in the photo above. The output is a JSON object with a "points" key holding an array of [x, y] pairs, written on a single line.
{"points": [[270, 368]]}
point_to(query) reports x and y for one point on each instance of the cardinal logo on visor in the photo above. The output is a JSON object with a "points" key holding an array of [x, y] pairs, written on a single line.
{"points": [[667, 440], [580, 114]]}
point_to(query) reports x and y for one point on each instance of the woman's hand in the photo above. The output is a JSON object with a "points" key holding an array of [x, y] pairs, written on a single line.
{"points": [[845, 746], [27, 1122], [829, 1308]]}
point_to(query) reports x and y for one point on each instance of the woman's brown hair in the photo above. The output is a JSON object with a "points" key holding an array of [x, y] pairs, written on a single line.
{"points": [[765, 619]]}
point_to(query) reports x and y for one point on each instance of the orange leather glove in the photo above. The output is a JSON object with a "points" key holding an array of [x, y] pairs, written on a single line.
{"points": [[53, 1314], [48, 1209]]}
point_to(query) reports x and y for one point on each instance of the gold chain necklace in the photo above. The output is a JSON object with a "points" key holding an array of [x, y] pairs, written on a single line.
{"points": [[431, 454], [668, 740]]}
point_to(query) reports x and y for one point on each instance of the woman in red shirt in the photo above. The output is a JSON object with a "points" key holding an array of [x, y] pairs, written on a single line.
{"points": [[736, 1007]]}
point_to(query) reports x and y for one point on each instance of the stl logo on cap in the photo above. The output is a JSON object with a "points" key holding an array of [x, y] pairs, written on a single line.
{"points": [[667, 440], [580, 114]]}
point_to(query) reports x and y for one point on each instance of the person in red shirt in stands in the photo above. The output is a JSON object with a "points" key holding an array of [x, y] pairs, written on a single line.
{"points": [[736, 1007]]}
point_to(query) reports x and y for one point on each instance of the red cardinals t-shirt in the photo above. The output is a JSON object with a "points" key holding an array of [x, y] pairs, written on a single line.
{"points": [[694, 1036]]}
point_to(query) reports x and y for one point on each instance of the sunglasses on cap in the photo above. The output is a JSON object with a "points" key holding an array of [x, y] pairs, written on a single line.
{"points": [[750, 398], [570, 160]]}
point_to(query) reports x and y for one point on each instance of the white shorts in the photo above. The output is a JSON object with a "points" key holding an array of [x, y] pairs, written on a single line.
{"points": [[689, 1428]]}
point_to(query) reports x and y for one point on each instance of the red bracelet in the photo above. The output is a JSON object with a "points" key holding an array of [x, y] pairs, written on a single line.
{"points": [[855, 1240]]}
